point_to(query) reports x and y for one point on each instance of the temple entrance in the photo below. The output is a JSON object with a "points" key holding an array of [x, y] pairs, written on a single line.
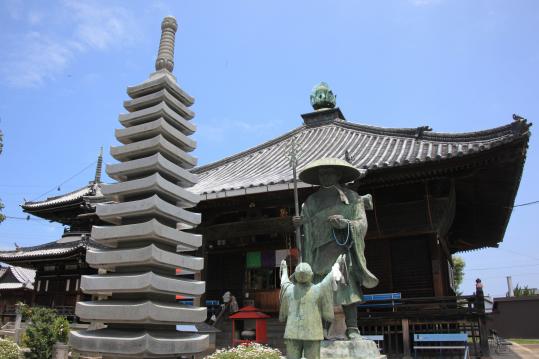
{"points": [[225, 272]]}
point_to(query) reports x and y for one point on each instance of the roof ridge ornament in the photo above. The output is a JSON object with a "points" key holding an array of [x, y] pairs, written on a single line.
{"points": [[419, 131], [322, 97], [165, 55]]}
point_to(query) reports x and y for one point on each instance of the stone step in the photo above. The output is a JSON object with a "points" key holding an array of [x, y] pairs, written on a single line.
{"points": [[151, 164], [152, 113], [138, 343], [112, 236], [151, 146], [152, 184], [157, 82], [148, 282], [146, 257], [154, 98], [139, 312], [151, 207], [152, 129]]}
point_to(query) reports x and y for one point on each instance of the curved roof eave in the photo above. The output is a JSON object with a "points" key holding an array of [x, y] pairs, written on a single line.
{"points": [[367, 147]]}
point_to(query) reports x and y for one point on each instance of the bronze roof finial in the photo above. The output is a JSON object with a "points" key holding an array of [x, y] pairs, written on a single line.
{"points": [[322, 97]]}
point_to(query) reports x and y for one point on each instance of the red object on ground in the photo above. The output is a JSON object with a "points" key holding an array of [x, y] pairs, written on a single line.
{"points": [[246, 321]]}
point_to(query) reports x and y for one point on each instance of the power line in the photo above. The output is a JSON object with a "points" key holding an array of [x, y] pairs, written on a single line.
{"points": [[512, 275], [40, 240], [526, 204], [27, 218], [67, 180], [502, 267], [520, 254]]}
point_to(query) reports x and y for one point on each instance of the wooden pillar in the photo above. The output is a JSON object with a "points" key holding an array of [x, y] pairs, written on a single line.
{"points": [[406, 339], [198, 300], [388, 270], [483, 331], [436, 264]]}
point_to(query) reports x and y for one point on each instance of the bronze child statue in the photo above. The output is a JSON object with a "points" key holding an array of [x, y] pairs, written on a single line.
{"points": [[303, 306], [334, 223]]}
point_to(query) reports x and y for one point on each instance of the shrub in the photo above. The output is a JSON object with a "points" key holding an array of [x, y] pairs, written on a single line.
{"points": [[247, 351], [46, 328], [25, 309], [9, 350], [60, 328]]}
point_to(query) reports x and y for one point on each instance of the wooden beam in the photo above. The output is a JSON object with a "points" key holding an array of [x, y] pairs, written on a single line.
{"points": [[401, 233], [248, 228]]}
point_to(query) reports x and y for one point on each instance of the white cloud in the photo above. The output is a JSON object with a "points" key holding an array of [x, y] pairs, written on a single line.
{"points": [[99, 26], [36, 59], [44, 54]]}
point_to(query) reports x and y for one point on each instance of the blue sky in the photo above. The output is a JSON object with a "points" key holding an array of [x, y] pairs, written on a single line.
{"points": [[454, 65]]}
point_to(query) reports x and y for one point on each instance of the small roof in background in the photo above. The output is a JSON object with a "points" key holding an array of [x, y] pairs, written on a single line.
{"points": [[17, 278]]}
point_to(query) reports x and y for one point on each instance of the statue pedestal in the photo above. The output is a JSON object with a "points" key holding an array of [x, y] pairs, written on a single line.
{"points": [[349, 349], [337, 329]]}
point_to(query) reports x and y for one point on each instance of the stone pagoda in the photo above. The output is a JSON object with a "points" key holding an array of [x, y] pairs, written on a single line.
{"points": [[136, 314]]}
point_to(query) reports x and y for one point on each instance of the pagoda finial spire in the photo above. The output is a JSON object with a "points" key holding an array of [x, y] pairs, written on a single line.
{"points": [[99, 166], [165, 56]]}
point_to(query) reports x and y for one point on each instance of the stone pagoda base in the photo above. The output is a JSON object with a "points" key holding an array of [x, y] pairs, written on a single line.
{"points": [[350, 349]]}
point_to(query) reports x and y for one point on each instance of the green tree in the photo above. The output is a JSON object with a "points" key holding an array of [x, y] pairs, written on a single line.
{"points": [[46, 328], [524, 291], [458, 271]]}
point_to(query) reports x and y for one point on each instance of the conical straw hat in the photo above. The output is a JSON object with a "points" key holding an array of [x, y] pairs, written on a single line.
{"points": [[309, 174]]}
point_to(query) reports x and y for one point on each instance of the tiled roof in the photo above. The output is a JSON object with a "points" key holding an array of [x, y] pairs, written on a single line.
{"points": [[19, 278], [366, 147], [5, 286], [91, 189], [23, 275], [47, 249]]}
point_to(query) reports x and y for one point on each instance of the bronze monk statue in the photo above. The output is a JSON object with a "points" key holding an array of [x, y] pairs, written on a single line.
{"points": [[334, 223]]}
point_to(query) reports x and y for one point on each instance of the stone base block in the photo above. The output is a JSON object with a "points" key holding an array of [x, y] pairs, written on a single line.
{"points": [[350, 349], [112, 343]]}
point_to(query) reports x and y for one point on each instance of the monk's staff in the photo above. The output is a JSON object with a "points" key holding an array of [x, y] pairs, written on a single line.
{"points": [[293, 162]]}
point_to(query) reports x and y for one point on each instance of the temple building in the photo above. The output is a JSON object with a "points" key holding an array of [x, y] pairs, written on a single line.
{"points": [[60, 264], [432, 194], [16, 285]]}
